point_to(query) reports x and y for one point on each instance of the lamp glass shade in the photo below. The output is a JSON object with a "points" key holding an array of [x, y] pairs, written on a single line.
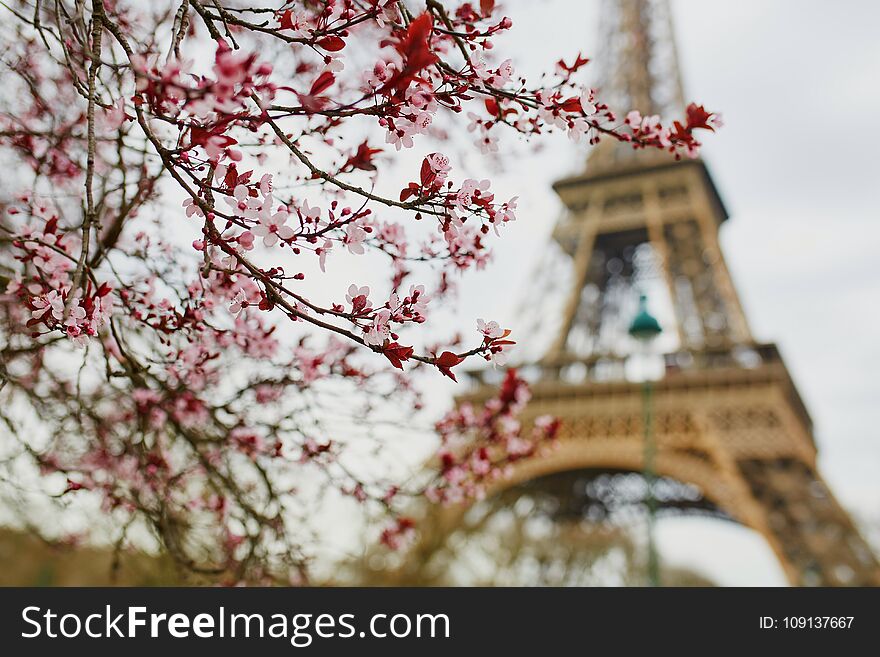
{"points": [[644, 325]]}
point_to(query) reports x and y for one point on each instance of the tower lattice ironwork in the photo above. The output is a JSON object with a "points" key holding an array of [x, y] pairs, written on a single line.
{"points": [[729, 424]]}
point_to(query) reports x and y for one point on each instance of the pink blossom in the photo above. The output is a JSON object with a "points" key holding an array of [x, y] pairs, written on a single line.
{"points": [[192, 207], [358, 297], [400, 136], [498, 358], [508, 210], [469, 189], [380, 330], [309, 214], [439, 163], [418, 300], [115, 116], [51, 300], [491, 330], [587, 104], [272, 227], [246, 240], [323, 251], [422, 122], [577, 128], [505, 72], [242, 201], [487, 143], [354, 238], [381, 72], [239, 303], [266, 184]]}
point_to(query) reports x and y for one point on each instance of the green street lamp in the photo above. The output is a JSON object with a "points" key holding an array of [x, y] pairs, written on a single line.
{"points": [[645, 328]]}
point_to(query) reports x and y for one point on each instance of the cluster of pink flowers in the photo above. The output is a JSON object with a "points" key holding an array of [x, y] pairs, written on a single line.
{"points": [[399, 535], [210, 106], [377, 324], [48, 253], [649, 131], [479, 446], [79, 318]]}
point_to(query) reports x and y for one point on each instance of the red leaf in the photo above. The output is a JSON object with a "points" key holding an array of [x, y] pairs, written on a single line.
{"points": [[486, 7], [414, 44], [572, 105], [580, 61], [680, 131], [698, 117], [446, 361], [322, 83], [492, 106], [231, 179], [363, 158], [200, 136], [332, 43], [397, 353], [286, 20], [408, 191], [416, 53], [426, 174]]}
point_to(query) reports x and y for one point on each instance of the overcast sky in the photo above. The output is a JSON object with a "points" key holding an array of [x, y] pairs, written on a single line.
{"points": [[797, 166]]}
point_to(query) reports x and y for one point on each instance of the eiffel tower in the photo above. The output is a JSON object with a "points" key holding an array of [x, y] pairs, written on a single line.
{"points": [[728, 421]]}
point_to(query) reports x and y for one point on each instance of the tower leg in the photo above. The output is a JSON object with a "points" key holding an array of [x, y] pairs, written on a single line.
{"points": [[813, 534]]}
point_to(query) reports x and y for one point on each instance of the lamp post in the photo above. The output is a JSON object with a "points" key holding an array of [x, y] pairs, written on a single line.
{"points": [[645, 328]]}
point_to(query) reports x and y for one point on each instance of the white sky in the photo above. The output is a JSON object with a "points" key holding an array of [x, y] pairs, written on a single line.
{"points": [[797, 167]]}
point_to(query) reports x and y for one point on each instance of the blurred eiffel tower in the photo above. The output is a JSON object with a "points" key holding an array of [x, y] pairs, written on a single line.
{"points": [[733, 437]]}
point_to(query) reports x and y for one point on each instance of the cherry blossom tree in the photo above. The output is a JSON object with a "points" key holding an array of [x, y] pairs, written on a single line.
{"points": [[180, 179]]}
